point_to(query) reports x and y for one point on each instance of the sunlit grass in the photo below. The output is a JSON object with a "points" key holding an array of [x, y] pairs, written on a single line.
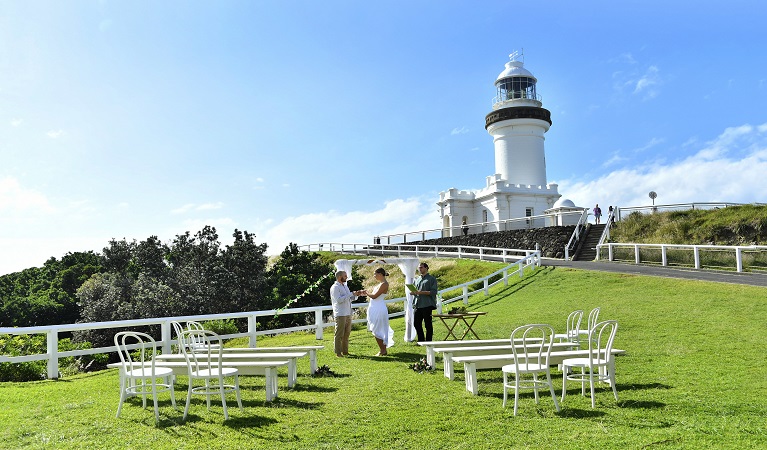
{"points": [[693, 377]]}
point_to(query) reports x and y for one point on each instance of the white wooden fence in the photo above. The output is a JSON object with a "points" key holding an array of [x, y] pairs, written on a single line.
{"points": [[52, 332], [737, 252]]}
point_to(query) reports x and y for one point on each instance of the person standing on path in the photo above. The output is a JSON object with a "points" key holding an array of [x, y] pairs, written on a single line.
{"points": [[341, 298], [425, 303], [597, 213]]}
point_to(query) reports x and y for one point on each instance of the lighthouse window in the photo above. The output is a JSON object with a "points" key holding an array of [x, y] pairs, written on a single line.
{"points": [[516, 88]]}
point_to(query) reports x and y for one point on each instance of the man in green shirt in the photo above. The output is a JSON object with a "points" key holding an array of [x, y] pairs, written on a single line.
{"points": [[425, 303]]}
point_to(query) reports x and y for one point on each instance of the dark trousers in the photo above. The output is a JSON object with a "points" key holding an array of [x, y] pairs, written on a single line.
{"points": [[423, 315]]}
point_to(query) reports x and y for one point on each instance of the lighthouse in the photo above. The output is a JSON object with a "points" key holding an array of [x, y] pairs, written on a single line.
{"points": [[517, 124], [517, 195]]}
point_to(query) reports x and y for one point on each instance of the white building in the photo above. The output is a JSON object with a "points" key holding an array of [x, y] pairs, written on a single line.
{"points": [[518, 188]]}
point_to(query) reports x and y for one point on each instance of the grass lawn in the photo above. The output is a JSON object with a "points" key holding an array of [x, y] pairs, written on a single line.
{"points": [[694, 376]]}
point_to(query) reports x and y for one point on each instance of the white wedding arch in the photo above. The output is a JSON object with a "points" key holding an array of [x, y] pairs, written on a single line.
{"points": [[407, 266]]}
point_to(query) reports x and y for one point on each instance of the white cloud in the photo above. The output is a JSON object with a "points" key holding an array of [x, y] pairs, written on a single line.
{"points": [[16, 122], [616, 158], [729, 168], [15, 198], [53, 134], [396, 216], [652, 143], [462, 130], [648, 84]]}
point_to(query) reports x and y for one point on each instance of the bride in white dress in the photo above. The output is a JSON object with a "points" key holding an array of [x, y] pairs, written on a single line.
{"points": [[378, 313]]}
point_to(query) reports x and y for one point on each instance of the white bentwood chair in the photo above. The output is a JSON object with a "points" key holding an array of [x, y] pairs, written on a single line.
{"points": [[138, 374], [531, 359], [598, 366], [573, 327], [190, 325], [202, 351], [592, 320]]}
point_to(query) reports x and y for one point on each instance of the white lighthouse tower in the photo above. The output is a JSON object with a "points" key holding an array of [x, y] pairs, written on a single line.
{"points": [[518, 189]]}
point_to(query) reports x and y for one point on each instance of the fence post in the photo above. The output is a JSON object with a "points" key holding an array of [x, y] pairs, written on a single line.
{"points": [[318, 323], [663, 258], [487, 289], [567, 254], [609, 252], [53, 354], [696, 251], [480, 253], [252, 324], [505, 277], [165, 336], [636, 254], [739, 258], [466, 295]]}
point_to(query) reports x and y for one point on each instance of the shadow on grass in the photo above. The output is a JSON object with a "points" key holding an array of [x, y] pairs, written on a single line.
{"points": [[404, 357], [512, 289], [577, 413], [304, 387], [641, 404], [639, 387]]}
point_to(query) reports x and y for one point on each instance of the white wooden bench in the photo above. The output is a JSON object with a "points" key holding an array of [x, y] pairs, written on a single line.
{"points": [[448, 353], [473, 363], [290, 357], [430, 345], [312, 349], [266, 368]]}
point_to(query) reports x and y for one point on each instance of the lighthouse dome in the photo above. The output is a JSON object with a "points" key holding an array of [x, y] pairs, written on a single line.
{"points": [[564, 202], [515, 69]]}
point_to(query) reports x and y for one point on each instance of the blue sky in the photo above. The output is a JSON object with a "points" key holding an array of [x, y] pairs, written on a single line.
{"points": [[334, 121]]}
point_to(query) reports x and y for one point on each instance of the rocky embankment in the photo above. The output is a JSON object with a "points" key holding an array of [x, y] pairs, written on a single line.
{"points": [[552, 240]]}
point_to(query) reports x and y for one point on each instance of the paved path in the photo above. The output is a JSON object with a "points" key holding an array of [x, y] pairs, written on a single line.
{"points": [[721, 276]]}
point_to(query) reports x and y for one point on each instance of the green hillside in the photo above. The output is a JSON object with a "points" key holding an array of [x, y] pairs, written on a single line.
{"points": [[736, 225]]}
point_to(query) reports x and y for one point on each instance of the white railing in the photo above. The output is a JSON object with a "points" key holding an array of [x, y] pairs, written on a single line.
{"points": [[678, 207], [608, 224], [533, 259], [576, 236], [519, 223], [737, 250], [422, 251]]}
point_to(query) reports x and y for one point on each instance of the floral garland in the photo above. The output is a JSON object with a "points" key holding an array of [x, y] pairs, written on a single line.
{"points": [[306, 291]]}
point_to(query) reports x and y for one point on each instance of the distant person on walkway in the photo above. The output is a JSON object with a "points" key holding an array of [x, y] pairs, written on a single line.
{"points": [[341, 298], [425, 303], [611, 215], [464, 227], [378, 313], [597, 213]]}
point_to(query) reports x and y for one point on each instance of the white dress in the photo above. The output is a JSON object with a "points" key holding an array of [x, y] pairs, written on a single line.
{"points": [[378, 319]]}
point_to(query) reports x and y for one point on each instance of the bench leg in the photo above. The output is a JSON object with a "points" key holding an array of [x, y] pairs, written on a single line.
{"points": [[292, 373], [470, 373], [430, 356], [447, 359], [313, 360]]}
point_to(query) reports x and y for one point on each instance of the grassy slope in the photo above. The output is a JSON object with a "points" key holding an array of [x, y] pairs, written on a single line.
{"points": [[738, 225], [693, 378]]}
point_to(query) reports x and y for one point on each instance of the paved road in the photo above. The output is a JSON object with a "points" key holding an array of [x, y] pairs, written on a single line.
{"points": [[721, 276]]}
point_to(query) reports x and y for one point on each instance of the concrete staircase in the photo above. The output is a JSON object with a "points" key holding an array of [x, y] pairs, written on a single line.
{"points": [[587, 250]]}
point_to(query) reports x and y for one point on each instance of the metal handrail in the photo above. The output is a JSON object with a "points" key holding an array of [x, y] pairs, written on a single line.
{"points": [[575, 237]]}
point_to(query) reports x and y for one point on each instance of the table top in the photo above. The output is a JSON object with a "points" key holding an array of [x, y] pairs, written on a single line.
{"points": [[466, 314]]}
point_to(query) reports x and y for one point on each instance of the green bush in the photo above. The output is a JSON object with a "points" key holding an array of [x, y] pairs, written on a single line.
{"points": [[221, 326], [25, 344]]}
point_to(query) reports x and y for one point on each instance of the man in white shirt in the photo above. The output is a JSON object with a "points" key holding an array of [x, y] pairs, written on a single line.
{"points": [[342, 299]]}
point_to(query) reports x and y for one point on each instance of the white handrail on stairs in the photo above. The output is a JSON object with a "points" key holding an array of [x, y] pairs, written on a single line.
{"points": [[576, 233]]}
